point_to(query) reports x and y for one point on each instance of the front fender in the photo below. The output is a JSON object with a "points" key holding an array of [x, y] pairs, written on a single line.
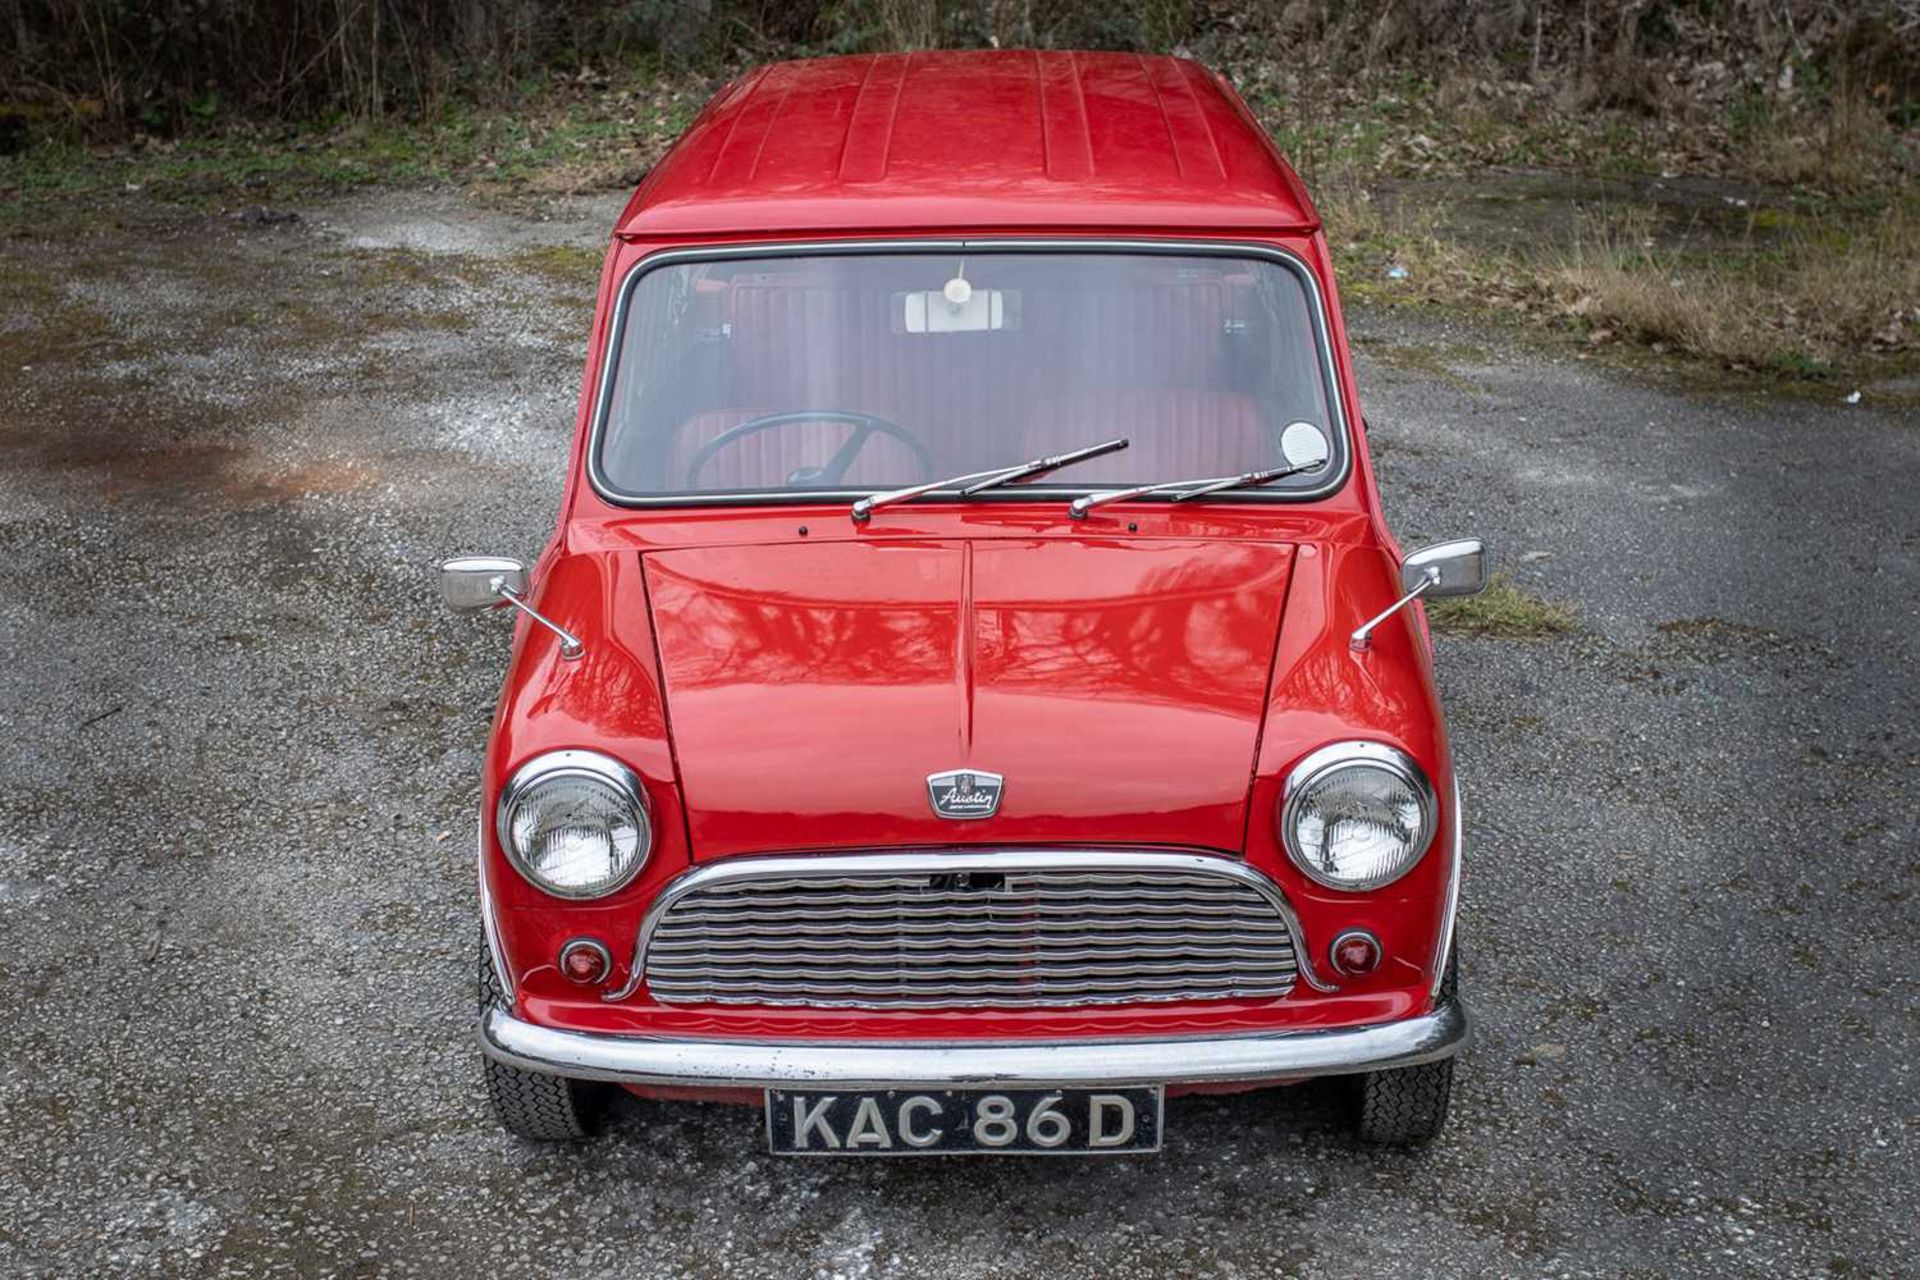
{"points": [[608, 700], [1322, 692]]}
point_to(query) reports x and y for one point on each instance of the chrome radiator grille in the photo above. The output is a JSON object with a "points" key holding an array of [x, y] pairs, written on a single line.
{"points": [[973, 936]]}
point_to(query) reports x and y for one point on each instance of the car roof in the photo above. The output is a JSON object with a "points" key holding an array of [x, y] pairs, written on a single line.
{"points": [[956, 141]]}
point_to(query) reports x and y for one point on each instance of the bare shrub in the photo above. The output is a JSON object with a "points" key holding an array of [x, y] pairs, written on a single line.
{"points": [[163, 63]]}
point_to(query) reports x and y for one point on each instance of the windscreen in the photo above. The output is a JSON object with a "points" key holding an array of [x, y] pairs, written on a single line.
{"points": [[846, 372]]}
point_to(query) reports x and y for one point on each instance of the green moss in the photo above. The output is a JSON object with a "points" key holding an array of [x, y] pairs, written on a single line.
{"points": [[397, 268], [564, 264], [51, 324], [554, 140], [1502, 611], [1427, 359]]}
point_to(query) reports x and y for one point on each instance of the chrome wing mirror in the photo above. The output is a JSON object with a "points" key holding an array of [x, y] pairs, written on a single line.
{"points": [[473, 584], [1457, 568]]}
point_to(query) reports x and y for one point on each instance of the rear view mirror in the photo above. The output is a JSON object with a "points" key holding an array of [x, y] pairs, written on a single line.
{"points": [[473, 583], [1461, 566], [933, 311]]}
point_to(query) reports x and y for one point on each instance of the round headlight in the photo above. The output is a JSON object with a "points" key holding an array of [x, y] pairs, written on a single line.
{"points": [[574, 823], [1356, 815]]}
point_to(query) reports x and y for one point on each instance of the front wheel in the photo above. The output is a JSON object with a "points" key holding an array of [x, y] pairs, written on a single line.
{"points": [[532, 1104], [1409, 1105]]}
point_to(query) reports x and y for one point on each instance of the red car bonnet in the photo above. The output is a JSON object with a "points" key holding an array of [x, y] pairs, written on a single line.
{"points": [[1117, 685]]}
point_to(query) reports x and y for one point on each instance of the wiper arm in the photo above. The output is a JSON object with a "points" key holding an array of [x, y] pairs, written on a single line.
{"points": [[1040, 466], [1086, 502], [1248, 480], [983, 480], [1183, 490]]}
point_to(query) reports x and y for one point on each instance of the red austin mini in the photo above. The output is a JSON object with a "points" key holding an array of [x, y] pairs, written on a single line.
{"points": [[971, 690]]}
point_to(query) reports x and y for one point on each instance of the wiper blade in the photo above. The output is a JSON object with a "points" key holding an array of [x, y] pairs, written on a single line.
{"points": [[983, 480], [1185, 490], [1041, 466], [1248, 480]]}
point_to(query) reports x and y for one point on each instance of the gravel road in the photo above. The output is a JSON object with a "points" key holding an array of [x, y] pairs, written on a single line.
{"points": [[241, 743]]}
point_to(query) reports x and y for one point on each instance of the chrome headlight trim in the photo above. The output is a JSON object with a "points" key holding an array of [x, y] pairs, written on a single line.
{"points": [[496, 955], [1449, 919], [1344, 755], [590, 765]]}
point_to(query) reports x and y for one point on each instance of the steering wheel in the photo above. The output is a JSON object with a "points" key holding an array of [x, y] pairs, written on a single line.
{"points": [[834, 469]]}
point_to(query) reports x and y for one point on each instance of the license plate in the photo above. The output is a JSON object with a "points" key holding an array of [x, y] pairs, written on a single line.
{"points": [[924, 1122]]}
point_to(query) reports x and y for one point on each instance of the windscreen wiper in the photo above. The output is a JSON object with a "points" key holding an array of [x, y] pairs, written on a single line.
{"points": [[1186, 490], [983, 480], [1249, 480]]}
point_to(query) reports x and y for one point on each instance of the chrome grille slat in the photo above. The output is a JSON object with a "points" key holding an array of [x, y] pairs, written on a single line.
{"points": [[952, 995], [963, 933], [1016, 966], [925, 895], [1019, 887], [1015, 881], [835, 930], [1057, 946], [833, 1000], [834, 982], [962, 907]]}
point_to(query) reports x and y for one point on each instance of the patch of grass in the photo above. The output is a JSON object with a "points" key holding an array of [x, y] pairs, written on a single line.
{"points": [[1810, 296], [1427, 359], [563, 264], [50, 322], [1407, 125], [1399, 251], [555, 142], [1845, 146], [394, 268], [1502, 611], [1810, 278], [1799, 306]]}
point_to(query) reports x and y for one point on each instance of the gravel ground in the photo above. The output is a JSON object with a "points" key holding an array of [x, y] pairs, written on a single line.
{"points": [[241, 744]]}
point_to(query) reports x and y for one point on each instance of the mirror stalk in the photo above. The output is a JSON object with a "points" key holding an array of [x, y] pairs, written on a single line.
{"points": [[1457, 568], [570, 646], [1362, 639]]}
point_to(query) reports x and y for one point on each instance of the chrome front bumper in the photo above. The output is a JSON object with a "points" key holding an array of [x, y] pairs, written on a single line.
{"points": [[755, 1064]]}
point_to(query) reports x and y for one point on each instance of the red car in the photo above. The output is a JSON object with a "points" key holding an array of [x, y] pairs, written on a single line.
{"points": [[971, 691]]}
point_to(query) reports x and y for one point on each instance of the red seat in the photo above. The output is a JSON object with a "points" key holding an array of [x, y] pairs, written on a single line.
{"points": [[1176, 434]]}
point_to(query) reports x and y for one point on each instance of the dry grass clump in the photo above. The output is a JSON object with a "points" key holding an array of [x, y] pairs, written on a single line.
{"points": [[1811, 289], [1503, 611], [1842, 145], [1816, 294], [1404, 251]]}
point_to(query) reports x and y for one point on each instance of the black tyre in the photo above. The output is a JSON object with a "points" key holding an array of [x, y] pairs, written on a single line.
{"points": [[531, 1104], [1409, 1105]]}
